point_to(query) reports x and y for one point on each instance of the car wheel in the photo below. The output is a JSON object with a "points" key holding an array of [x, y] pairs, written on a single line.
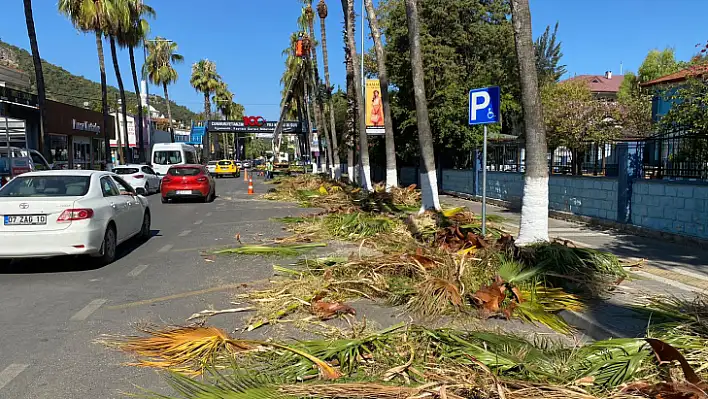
{"points": [[147, 188], [165, 200], [108, 249], [141, 191], [145, 230]]}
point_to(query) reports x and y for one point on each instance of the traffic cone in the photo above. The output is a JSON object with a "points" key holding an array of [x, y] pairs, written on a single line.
{"points": [[250, 186], [245, 175]]}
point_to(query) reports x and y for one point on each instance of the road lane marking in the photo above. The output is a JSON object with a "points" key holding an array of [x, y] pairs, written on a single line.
{"points": [[182, 295], [88, 310], [166, 248], [198, 222], [137, 270], [209, 214], [185, 233], [10, 373]]}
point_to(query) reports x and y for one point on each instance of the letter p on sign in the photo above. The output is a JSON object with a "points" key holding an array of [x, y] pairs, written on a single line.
{"points": [[484, 106]]}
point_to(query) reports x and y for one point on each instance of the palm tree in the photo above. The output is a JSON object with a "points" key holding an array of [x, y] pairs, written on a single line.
{"points": [[118, 22], [352, 110], [391, 171], [91, 16], [534, 210], [223, 99], [162, 55], [131, 38], [322, 12], [428, 174], [39, 78], [318, 106], [350, 21], [205, 80]]}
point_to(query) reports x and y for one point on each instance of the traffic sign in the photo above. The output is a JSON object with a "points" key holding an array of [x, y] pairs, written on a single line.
{"points": [[484, 106]]}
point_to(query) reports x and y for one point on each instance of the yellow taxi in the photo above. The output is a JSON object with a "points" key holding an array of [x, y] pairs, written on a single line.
{"points": [[227, 168]]}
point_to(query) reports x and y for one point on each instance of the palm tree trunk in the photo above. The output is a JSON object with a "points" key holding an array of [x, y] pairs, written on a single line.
{"points": [[136, 84], [123, 108], [309, 122], [319, 109], [169, 113], [207, 115], [332, 126], [350, 18], [351, 112], [391, 170], [104, 102], [428, 174], [44, 141], [534, 209]]}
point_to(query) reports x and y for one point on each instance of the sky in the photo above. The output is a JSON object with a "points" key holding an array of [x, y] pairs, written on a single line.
{"points": [[246, 38]]}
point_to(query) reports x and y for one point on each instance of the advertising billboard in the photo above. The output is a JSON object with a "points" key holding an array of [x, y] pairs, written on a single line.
{"points": [[374, 108]]}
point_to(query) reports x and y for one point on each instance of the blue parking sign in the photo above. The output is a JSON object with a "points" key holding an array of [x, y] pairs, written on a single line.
{"points": [[484, 106]]}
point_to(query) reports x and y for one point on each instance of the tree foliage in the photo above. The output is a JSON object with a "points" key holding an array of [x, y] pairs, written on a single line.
{"points": [[548, 56], [466, 44], [573, 116], [689, 111], [657, 64]]}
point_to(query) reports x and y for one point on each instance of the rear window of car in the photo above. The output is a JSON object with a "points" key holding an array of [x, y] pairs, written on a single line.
{"points": [[125, 171], [184, 171], [225, 163], [46, 186]]}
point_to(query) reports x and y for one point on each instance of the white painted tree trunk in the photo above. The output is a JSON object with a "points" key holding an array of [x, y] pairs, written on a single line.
{"points": [[429, 191], [534, 212], [391, 178]]}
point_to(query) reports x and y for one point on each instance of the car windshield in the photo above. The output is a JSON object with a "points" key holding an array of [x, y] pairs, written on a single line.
{"points": [[46, 186], [183, 171], [225, 163], [125, 171], [167, 157]]}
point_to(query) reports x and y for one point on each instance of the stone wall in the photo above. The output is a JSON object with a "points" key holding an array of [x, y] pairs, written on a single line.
{"points": [[673, 207], [585, 196]]}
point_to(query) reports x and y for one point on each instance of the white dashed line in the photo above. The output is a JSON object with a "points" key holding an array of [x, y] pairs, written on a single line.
{"points": [[198, 222], [10, 373], [209, 214], [185, 233], [88, 310], [137, 270], [166, 248]]}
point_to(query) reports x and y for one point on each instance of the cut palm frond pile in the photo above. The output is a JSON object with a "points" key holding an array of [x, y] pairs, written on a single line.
{"points": [[413, 360]]}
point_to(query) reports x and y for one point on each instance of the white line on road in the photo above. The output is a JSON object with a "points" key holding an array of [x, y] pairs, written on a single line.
{"points": [[88, 310], [209, 214], [137, 270], [185, 233], [166, 248], [10, 373], [198, 222]]}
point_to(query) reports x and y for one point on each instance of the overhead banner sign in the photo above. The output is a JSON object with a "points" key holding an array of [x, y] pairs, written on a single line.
{"points": [[259, 125], [374, 108]]}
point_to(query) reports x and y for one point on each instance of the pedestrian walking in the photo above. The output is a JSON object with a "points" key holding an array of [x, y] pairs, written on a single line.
{"points": [[269, 170]]}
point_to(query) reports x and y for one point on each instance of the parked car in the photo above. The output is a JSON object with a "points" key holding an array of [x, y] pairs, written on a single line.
{"points": [[70, 212], [246, 164], [227, 168], [141, 177], [211, 167], [188, 181]]}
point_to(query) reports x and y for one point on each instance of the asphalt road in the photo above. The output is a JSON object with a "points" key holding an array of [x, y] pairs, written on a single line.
{"points": [[52, 311]]}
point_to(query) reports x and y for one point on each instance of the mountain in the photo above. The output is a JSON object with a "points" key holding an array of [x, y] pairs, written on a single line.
{"points": [[65, 87]]}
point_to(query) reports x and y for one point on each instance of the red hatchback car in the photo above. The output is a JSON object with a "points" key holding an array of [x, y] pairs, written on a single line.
{"points": [[188, 181]]}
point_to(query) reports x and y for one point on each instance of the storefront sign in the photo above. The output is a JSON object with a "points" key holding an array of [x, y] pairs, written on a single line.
{"points": [[257, 121], [18, 97], [85, 126]]}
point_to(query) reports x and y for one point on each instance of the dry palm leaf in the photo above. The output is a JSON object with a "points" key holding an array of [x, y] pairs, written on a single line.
{"points": [[328, 310], [490, 297]]}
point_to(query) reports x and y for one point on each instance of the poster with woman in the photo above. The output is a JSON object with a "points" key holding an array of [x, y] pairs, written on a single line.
{"points": [[374, 108]]}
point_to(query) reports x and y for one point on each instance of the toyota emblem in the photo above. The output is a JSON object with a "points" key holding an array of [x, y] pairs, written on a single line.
{"points": [[24, 205]]}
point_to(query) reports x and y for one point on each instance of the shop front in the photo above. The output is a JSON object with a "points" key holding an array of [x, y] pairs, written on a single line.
{"points": [[77, 136]]}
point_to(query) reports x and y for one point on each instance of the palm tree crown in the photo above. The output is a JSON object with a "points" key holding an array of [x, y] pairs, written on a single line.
{"points": [[205, 80], [162, 55]]}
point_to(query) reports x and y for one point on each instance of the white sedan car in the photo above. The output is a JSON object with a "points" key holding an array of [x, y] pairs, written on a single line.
{"points": [[141, 177], [70, 212], [211, 167]]}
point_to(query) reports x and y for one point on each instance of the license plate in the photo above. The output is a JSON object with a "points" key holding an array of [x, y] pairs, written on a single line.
{"points": [[24, 220], [184, 192]]}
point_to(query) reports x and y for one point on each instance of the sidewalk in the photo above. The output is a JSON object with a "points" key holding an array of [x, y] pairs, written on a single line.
{"points": [[669, 269]]}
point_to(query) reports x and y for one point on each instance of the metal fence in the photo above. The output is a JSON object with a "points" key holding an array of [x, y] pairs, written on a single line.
{"points": [[675, 156]]}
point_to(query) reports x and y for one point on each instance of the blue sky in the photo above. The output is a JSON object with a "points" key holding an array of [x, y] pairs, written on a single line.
{"points": [[245, 39]]}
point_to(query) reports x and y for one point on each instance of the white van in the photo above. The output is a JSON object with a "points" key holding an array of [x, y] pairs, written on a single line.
{"points": [[165, 155]]}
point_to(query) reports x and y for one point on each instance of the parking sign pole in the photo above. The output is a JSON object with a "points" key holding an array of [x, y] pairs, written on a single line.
{"points": [[484, 183]]}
